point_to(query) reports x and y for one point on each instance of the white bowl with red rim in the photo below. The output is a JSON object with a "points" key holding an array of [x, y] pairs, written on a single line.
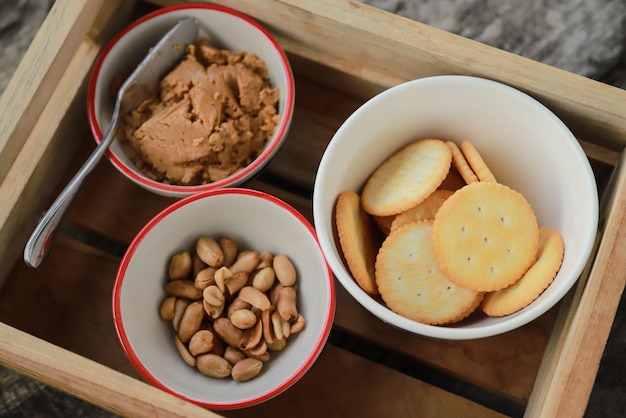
{"points": [[225, 28], [256, 221]]}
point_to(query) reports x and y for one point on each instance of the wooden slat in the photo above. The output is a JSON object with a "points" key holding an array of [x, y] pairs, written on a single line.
{"points": [[44, 112], [383, 49], [89, 380], [43, 65], [567, 377]]}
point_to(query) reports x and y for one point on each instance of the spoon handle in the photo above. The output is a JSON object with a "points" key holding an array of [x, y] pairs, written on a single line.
{"points": [[41, 240]]}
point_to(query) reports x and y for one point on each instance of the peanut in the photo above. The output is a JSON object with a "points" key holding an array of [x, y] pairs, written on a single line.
{"points": [[191, 321], [246, 261], [180, 265], [243, 318], [264, 278], [184, 352], [228, 332], [286, 304], [252, 337], [246, 369], [197, 264], [205, 277], [213, 365], [167, 308], [297, 325], [235, 282], [235, 304], [183, 288], [201, 342], [180, 305], [210, 252], [220, 277], [255, 297], [233, 355], [285, 270], [229, 249], [266, 259]]}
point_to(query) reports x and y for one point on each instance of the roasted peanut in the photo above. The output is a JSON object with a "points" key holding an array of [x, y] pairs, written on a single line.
{"points": [[281, 328], [228, 332], [252, 337], [184, 352], [284, 269], [235, 282], [205, 277], [264, 278], [233, 355], [286, 304], [183, 288], [180, 265], [213, 295], [268, 327], [246, 261], [229, 249], [201, 342], [213, 365], [167, 308], [191, 321], [266, 259], [255, 297], [197, 265], [220, 277], [277, 344], [273, 293], [246, 369], [243, 318], [209, 251], [257, 354], [180, 305], [297, 325], [235, 304]]}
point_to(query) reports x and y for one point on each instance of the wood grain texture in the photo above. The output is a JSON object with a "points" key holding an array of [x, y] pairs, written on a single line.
{"points": [[574, 356]]}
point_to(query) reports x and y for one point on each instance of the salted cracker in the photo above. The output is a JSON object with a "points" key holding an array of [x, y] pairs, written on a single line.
{"points": [[536, 279], [407, 177], [412, 285], [425, 210], [359, 239], [476, 162], [485, 236], [460, 163]]}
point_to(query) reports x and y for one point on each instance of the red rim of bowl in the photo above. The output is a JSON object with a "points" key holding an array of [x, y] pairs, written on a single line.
{"points": [[262, 159], [136, 361]]}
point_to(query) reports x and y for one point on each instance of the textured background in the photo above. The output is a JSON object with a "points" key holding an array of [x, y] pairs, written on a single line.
{"points": [[587, 37]]}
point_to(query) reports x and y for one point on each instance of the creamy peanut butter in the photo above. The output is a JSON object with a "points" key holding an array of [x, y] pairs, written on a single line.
{"points": [[210, 117]]}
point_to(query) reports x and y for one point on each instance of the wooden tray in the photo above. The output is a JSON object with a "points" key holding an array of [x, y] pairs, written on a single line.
{"points": [[56, 323]]}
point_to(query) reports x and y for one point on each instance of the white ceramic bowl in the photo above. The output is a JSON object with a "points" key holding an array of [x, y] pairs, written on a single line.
{"points": [[256, 221], [224, 28], [526, 146]]}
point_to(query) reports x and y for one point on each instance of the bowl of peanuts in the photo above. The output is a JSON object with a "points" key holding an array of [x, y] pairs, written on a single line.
{"points": [[224, 298], [455, 207], [216, 118]]}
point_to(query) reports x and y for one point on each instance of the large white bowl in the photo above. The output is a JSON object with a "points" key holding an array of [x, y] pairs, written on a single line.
{"points": [[256, 221], [224, 28], [526, 146]]}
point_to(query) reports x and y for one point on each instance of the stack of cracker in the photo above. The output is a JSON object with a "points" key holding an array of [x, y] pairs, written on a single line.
{"points": [[437, 237]]}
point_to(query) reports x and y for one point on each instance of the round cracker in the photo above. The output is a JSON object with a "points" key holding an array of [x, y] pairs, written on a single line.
{"points": [[460, 164], [412, 285], [359, 240], [407, 177], [485, 236], [426, 210], [476, 162], [533, 282]]}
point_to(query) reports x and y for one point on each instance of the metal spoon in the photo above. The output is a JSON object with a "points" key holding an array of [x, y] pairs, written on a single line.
{"points": [[165, 54]]}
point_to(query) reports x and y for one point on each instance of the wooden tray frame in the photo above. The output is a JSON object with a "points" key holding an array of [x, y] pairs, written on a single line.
{"points": [[346, 45]]}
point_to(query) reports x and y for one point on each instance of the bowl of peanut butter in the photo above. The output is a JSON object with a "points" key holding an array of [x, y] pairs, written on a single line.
{"points": [[216, 118]]}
